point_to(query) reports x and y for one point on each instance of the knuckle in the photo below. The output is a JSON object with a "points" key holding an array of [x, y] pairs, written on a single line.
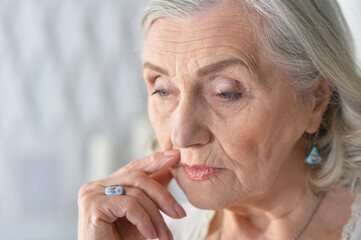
{"points": [[85, 202], [84, 189], [152, 158], [139, 178], [95, 221], [145, 219], [163, 193], [137, 193], [131, 204], [138, 183]]}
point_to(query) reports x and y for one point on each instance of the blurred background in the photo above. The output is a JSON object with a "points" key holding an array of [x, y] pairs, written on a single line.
{"points": [[72, 106]]}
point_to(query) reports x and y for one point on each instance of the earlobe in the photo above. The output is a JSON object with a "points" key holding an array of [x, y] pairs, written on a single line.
{"points": [[321, 95]]}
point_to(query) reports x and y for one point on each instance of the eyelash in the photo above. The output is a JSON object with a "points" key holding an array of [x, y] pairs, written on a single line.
{"points": [[231, 96], [161, 92], [226, 96]]}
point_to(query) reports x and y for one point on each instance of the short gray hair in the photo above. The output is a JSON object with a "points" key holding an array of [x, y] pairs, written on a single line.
{"points": [[309, 39]]}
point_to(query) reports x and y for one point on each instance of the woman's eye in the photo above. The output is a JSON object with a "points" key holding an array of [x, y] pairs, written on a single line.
{"points": [[230, 96], [162, 93]]}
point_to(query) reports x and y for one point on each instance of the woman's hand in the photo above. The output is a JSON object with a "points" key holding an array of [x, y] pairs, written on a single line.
{"points": [[134, 215]]}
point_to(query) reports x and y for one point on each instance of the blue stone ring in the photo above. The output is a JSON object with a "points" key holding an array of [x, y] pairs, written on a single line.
{"points": [[114, 190]]}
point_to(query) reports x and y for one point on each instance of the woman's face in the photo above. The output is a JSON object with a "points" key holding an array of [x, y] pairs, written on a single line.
{"points": [[230, 112]]}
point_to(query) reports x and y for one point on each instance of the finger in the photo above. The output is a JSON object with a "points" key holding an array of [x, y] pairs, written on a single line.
{"points": [[109, 209], [149, 206], [155, 191], [151, 164], [163, 177]]}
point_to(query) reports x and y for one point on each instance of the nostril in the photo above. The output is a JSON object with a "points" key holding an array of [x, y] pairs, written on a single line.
{"points": [[198, 145]]}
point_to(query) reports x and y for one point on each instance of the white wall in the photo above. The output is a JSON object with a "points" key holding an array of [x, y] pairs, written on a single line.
{"points": [[352, 12], [71, 92]]}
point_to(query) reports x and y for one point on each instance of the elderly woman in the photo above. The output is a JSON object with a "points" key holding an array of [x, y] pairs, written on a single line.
{"points": [[257, 107]]}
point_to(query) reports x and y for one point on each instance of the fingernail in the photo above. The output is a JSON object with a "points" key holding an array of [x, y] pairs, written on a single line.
{"points": [[171, 153], [180, 211], [170, 235], [155, 235], [164, 233]]}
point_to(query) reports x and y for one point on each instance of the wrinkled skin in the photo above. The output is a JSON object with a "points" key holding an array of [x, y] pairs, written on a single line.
{"points": [[215, 97], [216, 100], [255, 132]]}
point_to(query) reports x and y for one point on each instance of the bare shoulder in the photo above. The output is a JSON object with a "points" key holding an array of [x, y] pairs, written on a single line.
{"points": [[339, 196], [334, 213]]}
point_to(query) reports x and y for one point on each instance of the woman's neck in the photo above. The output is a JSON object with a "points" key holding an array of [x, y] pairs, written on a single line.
{"points": [[281, 215], [283, 224], [280, 211]]}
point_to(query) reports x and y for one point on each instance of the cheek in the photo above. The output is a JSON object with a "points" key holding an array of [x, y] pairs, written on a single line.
{"points": [[161, 124], [260, 142], [240, 136]]}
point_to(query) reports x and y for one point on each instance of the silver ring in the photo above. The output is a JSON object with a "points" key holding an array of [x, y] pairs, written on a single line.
{"points": [[114, 190]]}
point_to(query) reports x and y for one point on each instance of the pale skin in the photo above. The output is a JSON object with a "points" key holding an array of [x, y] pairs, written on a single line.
{"points": [[215, 100]]}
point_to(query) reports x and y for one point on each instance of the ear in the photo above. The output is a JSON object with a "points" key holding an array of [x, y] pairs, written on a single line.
{"points": [[321, 94]]}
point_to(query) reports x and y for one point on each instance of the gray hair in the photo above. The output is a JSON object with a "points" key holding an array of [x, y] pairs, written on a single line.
{"points": [[309, 39]]}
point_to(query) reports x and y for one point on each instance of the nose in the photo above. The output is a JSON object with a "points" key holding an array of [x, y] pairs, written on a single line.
{"points": [[190, 128]]}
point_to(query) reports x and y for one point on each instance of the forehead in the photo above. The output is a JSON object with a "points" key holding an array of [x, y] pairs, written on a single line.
{"points": [[221, 32]]}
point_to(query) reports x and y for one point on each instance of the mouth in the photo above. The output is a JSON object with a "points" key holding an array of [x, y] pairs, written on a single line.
{"points": [[200, 172]]}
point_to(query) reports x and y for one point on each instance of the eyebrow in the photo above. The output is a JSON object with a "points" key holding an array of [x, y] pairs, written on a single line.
{"points": [[213, 67], [217, 66], [155, 68]]}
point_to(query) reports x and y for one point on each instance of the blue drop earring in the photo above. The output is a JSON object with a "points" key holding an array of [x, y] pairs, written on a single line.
{"points": [[314, 157]]}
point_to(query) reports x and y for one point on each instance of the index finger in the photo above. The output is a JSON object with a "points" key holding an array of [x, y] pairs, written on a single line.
{"points": [[151, 164]]}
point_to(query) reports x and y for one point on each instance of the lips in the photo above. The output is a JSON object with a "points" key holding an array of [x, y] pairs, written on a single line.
{"points": [[200, 172]]}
